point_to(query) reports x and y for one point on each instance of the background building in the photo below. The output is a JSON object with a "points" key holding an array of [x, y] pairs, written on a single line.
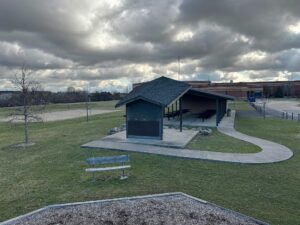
{"points": [[243, 90]]}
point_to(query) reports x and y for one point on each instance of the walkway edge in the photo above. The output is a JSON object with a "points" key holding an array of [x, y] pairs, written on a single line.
{"points": [[271, 151]]}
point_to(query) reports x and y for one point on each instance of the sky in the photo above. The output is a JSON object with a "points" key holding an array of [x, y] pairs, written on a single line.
{"points": [[108, 45]]}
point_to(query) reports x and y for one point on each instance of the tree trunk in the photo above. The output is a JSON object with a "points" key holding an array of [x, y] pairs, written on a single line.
{"points": [[26, 130], [25, 111], [25, 121]]}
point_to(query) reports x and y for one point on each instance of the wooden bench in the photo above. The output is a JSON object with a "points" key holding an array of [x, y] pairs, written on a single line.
{"points": [[108, 160]]}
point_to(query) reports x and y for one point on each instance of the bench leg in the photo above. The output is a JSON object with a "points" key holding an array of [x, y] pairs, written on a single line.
{"points": [[123, 175]]}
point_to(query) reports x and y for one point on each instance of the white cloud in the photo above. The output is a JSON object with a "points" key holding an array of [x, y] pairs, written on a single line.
{"points": [[294, 28], [116, 42]]}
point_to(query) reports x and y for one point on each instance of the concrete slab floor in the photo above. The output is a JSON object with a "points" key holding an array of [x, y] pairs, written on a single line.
{"points": [[171, 138]]}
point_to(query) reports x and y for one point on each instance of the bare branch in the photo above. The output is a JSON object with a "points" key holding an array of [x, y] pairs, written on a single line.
{"points": [[32, 100]]}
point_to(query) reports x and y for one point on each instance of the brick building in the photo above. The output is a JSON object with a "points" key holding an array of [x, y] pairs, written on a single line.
{"points": [[243, 90]]}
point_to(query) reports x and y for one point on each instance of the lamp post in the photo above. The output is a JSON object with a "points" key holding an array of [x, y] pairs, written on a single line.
{"points": [[87, 99]]}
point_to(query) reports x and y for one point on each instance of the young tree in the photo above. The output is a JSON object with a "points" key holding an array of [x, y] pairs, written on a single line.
{"points": [[32, 100]]}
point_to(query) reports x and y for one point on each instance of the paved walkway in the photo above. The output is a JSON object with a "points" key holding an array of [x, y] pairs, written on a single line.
{"points": [[271, 152], [173, 138]]}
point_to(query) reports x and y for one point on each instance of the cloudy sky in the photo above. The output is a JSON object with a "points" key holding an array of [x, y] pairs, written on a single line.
{"points": [[109, 45]]}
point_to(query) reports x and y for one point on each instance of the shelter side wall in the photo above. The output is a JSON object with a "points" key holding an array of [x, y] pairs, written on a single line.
{"points": [[197, 104], [143, 111], [221, 109], [144, 119]]}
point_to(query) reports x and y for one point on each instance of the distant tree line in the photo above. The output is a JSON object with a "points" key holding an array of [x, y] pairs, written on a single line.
{"points": [[15, 98], [278, 91]]}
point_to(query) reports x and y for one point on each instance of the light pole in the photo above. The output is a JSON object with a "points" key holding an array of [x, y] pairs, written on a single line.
{"points": [[87, 99], [178, 67], [264, 110]]}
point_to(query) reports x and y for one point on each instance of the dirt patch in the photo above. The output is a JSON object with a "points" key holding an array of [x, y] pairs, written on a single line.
{"points": [[174, 209]]}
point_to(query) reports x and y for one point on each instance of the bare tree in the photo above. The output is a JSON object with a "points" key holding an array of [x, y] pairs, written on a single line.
{"points": [[32, 100]]}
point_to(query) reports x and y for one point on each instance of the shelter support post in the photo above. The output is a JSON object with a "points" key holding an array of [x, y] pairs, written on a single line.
{"points": [[180, 113], [172, 109], [176, 106], [217, 112]]}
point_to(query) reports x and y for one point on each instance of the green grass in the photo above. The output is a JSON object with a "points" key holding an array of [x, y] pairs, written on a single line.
{"points": [[52, 171], [5, 111], [221, 143], [239, 105]]}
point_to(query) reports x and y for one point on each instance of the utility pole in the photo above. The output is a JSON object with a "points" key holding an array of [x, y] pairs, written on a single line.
{"points": [[178, 67], [292, 86], [87, 99], [264, 110]]}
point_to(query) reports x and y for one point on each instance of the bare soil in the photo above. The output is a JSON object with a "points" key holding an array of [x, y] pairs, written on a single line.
{"points": [[176, 209]]}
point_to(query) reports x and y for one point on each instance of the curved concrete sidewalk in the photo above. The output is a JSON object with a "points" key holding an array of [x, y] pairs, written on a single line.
{"points": [[271, 152]]}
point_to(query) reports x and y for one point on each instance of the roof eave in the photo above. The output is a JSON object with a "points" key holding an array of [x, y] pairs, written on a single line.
{"points": [[138, 98], [180, 95]]}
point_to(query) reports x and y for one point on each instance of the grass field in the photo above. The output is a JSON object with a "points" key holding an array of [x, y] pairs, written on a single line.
{"points": [[239, 105], [221, 143], [52, 171]]}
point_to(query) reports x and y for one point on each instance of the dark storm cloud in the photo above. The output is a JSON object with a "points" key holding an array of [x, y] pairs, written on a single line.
{"points": [[89, 40]]}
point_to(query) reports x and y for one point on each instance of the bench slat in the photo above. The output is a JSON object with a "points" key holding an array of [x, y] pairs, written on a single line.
{"points": [[107, 168], [107, 159]]}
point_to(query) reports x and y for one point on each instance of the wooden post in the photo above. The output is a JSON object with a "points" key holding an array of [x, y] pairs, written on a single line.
{"points": [[168, 113], [180, 109], [292, 115]]}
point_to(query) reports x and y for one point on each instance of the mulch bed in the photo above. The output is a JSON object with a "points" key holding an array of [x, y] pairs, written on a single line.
{"points": [[160, 210]]}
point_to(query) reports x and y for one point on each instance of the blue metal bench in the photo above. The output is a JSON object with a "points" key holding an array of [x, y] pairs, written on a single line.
{"points": [[108, 160]]}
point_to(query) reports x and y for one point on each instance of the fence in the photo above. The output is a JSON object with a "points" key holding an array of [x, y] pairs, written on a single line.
{"points": [[279, 114], [291, 116]]}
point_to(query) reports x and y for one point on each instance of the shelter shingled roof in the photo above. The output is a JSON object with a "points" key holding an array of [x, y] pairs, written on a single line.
{"points": [[161, 91]]}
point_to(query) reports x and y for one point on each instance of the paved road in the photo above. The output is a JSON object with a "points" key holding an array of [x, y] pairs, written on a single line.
{"points": [[271, 151], [62, 115], [287, 109]]}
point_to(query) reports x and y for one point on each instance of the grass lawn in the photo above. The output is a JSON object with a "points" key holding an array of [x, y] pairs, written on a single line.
{"points": [[221, 143], [5, 111], [52, 171], [239, 105]]}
